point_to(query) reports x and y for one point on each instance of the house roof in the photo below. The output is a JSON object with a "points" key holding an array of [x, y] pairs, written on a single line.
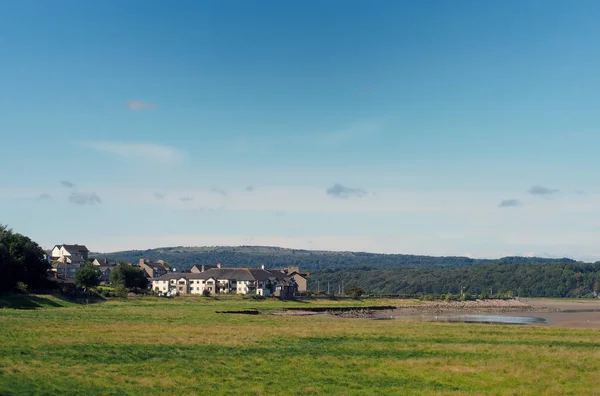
{"points": [[237, 274], [280, 275], [74, 248], [155, 266], [302, 274], [206, 267]]}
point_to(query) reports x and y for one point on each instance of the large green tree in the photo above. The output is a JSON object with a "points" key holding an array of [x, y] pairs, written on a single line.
{"points": [[87, 276], [21, 260], [128, 276]]}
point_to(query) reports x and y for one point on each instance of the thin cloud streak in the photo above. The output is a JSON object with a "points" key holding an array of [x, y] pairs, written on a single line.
{"points": [[78, 198], [44, 197], [358, 130], [542, 191], [340, 191], [219, 191], [509, 203], [140, 105], [148, 151], [67, 184]]}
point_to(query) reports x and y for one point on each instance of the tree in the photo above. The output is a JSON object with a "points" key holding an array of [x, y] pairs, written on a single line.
{"points": [[21, 260], [87, 276], [354, 291], [128, 276]]}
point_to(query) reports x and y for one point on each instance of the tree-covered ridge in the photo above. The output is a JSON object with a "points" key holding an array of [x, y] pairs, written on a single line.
{"points": [[253, 256], [548, 279]]}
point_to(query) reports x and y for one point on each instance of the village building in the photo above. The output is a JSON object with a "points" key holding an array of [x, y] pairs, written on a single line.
{"points": [[300, 277], [153, 270], [196, 269], [67, 259], [227, 281], [70, 254]]}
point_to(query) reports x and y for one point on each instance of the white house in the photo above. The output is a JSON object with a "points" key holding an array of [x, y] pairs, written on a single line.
{"points": [[70, 253], [223, 281]]}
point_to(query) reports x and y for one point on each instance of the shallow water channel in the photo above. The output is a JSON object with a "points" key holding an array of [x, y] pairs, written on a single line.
{"points": [[492, 319]]}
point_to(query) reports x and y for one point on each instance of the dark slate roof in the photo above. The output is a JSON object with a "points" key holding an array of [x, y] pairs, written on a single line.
{"points": [[75, 248], [302, 274], [238, 274], [280, 275]]}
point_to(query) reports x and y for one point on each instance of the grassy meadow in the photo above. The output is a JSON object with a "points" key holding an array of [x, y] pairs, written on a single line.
{"points": [[182, 346]]}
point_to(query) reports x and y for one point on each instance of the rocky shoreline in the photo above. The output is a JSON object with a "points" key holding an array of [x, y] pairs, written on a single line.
{"points": [[441, 307], [433, 308]]}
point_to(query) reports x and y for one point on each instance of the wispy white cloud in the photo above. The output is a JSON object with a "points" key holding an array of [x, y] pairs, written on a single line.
{"points": [[149, 151], [137, 104], [67, 184], [508, 203], [542, 191], [340, 191], [323, 138], [44, 197], [78, 198], [354, 131], [219, 191]]}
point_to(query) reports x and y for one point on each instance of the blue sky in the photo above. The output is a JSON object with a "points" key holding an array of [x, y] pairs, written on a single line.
{"points": [[438, 127]]}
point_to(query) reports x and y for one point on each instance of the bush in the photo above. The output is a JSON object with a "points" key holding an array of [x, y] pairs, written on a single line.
{"points": [[87, 276], [354, 291], [21, 287], [121, 291], [128, 276], [206, 293]]}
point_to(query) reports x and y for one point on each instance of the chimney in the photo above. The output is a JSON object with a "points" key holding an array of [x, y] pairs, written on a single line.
{"points": [[202, 268], [262, 266], [141, 261], [219, 265]]}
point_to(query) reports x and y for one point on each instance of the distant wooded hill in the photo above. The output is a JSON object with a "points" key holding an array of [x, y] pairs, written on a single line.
{"points": [[183, 258], [525, 279], [396, 273]]}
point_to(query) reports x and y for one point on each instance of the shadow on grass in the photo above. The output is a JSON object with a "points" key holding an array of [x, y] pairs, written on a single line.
{"points": [[26, 301], [33, 301], [80, 298]]}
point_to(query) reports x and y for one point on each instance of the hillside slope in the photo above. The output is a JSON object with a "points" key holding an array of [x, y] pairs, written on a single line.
{"points": [[184, 258], [551, 279]]}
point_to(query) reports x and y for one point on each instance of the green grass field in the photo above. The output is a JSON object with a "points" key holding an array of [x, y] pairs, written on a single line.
{"points": [[182, 347]]}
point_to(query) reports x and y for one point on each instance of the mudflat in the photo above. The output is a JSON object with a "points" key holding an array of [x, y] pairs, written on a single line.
{"points": [[556, 312], [566, 313]]}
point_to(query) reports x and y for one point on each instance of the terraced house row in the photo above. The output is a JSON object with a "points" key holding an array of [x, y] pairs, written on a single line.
{"points": [[232, 281]]}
